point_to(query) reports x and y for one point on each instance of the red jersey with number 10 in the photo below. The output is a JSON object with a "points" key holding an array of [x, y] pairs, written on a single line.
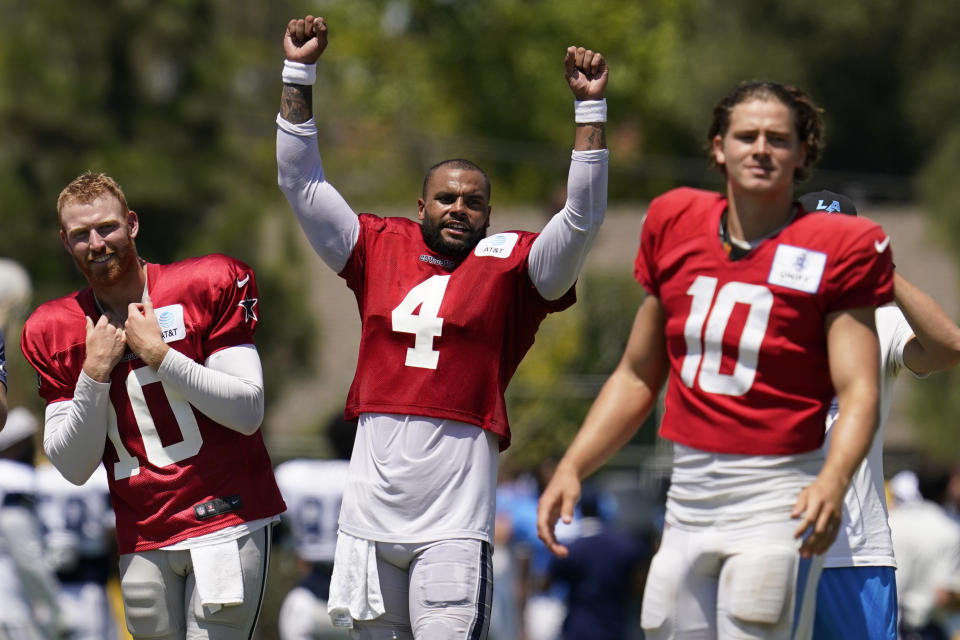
{"points": [[746, 339], [439, 338], [162, 456]]}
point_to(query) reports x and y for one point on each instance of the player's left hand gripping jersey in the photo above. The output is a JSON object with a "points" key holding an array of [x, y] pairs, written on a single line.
{"points": [[163, 457], [441, 339], [746, 338]]}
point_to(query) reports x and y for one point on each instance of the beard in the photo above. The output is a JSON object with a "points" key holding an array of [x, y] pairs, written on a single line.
{"points": [[111, 272], [458, 249]]}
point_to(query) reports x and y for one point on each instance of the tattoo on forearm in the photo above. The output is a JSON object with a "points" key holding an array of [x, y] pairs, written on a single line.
{"points": [[593, 136], [296, 103], [597, 139]]}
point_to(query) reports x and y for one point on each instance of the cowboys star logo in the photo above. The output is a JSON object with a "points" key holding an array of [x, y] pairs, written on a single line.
{"points": [[248, 305]]}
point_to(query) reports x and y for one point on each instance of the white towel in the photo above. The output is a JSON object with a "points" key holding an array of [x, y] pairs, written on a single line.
{"points": [[355, 584], [219, 577]]}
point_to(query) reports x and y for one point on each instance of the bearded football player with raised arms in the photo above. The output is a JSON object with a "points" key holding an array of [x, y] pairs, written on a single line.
{"points": [[446, 316]]}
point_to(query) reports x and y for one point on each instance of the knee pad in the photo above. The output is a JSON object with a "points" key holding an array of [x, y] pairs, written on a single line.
{"points": [[758, 587], [446, 585], [450, 591], [145, 608], [660, 593]]}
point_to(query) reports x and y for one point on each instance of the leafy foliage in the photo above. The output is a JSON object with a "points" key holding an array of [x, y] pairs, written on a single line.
{"points": [[574, 353], [176, 100]]}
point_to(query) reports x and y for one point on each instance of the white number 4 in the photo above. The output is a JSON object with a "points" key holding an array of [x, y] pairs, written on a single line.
{"points": [[707, 346], [425, 324]]}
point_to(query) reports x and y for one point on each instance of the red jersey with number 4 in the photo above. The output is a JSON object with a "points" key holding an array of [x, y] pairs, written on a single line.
{"points": [[163, 457], [746, 338], [441, 339]]}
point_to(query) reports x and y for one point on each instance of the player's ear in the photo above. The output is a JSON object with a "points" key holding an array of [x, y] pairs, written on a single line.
{"points": [[804, 149], [719, 157], [421, 205], [64, 241], [133, 223]]}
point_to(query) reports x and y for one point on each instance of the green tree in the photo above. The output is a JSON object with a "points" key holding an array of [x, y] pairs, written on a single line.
{"points": [[162, 96], [575, 352], [935, 404]]}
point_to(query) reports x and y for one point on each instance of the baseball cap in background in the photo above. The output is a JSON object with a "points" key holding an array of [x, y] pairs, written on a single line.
{"points": [[828, 202], [20, 425]]}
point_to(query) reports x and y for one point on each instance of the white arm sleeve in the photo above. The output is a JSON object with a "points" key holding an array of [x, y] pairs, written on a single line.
{"points": [[894, 333], [329, 223], [227, 388], [558, 253], [75, 431]]}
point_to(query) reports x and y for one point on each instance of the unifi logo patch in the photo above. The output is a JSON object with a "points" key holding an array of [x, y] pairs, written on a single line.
{"points": [[497, 246], [797, 268]]}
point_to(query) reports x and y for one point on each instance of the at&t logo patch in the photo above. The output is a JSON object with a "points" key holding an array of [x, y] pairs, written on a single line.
{"points": [[172, 327], [497, 246]]}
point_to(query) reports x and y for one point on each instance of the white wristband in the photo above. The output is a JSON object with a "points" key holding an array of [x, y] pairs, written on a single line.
{"points": [[585, 111], [299, 73]]}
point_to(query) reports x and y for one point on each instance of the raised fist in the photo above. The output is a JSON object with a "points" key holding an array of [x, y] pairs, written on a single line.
{"points": [[305, 39], [586, 73]]}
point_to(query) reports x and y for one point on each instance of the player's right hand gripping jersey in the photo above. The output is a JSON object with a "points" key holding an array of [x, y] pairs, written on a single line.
{"points": [[746, 338]]}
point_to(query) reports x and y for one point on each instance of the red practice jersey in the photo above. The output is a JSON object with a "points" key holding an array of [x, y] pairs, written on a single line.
{"points": [[746, 338], [441, 339], [163, 457]]}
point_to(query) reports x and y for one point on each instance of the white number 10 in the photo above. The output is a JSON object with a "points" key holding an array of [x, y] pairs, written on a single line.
{"points": [[705, 348], [127, 464]]}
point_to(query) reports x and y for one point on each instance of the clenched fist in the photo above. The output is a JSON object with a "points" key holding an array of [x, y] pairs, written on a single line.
{"points": [[305, 39]]}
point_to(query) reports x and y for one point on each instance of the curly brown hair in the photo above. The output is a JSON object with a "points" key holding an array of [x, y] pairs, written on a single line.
{"points": [[88, 187], [806, 117]]}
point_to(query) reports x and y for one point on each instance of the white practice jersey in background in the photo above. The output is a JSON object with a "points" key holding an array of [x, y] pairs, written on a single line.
{"points": [[313, 491], [77, 521], [17, 482], [864, 538]]}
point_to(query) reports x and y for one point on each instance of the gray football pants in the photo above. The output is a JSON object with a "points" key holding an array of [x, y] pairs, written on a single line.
{"points": [[160, 598], [434, 591]]}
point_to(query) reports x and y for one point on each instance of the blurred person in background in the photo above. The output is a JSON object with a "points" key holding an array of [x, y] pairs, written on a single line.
{"points": [[603, 575], [78, 532], [29, 607], [152, 371], [15, 291], [926, 542], [447, 314], [761, 312], [313, 491], [539, 606], [857, 590], [510, 562], [952, 500], [3, 382]]}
